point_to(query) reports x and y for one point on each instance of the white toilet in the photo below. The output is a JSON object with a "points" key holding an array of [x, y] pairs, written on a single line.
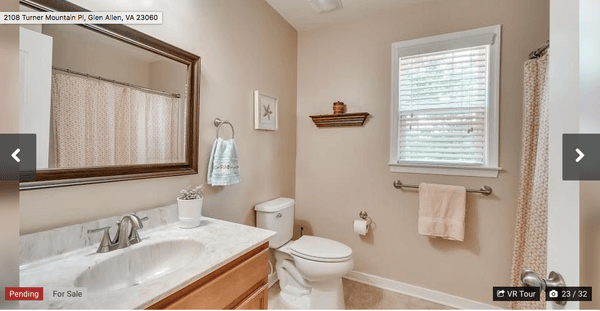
{"points": [[309, 269]]}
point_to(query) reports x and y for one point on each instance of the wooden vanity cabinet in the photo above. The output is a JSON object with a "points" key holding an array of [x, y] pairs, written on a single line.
{"points": [[240, 284]]}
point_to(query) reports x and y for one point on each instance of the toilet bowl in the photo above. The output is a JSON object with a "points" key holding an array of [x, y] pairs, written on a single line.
{"points": [[311, 279], [310, 269]]}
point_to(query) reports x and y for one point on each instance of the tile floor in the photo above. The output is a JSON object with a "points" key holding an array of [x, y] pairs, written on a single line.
{"points": [[362, 296]]}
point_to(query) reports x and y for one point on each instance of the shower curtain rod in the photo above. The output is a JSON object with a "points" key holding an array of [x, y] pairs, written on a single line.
{"points": [[118, 82], [539, 52]]}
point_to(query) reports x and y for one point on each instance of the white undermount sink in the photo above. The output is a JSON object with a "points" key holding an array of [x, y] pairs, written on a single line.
{"points": [[139, 264]]}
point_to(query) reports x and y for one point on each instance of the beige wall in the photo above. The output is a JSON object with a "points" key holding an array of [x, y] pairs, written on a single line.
{"points": [[340, 172], [169, 76], [80, 49], [245, 46]]}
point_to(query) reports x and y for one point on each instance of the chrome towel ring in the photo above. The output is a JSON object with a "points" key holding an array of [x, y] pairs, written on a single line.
{"points": [[219, 123]]}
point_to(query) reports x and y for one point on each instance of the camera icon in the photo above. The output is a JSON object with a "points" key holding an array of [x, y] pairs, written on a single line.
{"points": [[500, 293], [553, 293]]}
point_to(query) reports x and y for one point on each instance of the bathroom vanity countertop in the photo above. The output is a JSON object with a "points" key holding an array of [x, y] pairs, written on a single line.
{"points": [[223, 241]]}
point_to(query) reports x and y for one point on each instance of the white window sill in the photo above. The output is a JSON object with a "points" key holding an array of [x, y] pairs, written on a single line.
{"points": [[491, 172]]}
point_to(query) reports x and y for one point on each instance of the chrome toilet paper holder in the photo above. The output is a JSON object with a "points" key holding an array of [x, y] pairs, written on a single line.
{"points": [[366, 217]]}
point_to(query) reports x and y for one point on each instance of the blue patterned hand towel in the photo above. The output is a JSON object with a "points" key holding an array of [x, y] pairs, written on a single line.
{"points": [[223, 166]]}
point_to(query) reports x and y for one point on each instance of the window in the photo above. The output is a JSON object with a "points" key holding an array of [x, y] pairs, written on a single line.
{"points": [[445, 104]]}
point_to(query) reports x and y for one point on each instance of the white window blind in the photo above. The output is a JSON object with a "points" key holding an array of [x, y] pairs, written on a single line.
{"points": [[442, 98]]}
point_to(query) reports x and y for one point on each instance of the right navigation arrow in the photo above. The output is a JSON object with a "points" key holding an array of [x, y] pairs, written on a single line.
{"points": [[581, 155]]}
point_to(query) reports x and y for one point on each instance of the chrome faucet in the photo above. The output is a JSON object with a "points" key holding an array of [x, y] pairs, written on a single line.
{"points": [[124, 239], [127, 234]]}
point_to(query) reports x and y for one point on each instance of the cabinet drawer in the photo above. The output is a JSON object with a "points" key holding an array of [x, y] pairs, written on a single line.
{"points": [[258, 301], [225, 288]]}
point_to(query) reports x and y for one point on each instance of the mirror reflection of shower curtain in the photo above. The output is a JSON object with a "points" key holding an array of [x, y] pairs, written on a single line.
{"points": [[531, 232], [98, 123]]}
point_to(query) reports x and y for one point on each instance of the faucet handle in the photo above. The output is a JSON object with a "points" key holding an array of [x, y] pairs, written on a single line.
{"points": [[105, 242], [141, 221], [98, 229]]}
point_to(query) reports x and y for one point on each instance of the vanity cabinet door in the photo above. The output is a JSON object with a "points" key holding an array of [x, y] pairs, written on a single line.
{"points": [[231, 286], [258, 301]]}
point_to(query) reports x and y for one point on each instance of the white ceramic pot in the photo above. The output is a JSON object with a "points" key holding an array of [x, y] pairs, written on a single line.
{"points": [[190, 213]]}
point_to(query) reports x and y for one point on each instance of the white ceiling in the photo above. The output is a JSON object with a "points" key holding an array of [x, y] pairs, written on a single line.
{"points": [[301, 16]]}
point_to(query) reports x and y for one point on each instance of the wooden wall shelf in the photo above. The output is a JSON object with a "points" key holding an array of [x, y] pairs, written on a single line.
{"points": [[341, 119]]}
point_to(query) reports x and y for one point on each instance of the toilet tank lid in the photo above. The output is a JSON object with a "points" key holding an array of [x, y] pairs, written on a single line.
{"points": [[274, 205]]}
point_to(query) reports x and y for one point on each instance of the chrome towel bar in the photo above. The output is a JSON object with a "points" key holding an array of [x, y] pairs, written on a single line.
{"points": [[485, 190]]}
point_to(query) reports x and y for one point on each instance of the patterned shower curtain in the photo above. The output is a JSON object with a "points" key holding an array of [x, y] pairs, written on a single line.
{"points": [[98, 123], [530, 246]]}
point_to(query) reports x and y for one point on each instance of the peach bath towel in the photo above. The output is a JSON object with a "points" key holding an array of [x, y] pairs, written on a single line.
{"points": [[442, 211]]}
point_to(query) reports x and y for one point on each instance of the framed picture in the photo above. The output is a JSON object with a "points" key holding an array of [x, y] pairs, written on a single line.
{"points": [[265, 112]]}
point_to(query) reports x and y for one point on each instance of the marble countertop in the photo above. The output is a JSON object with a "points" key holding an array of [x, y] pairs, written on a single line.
{"points": [[223, 241]]}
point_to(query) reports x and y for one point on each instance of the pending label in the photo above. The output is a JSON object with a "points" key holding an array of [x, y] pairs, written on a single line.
{"points": [[23, 293], [66, 293]]}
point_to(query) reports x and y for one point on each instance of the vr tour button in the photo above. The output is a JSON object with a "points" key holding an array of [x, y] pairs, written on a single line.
{"points": [[516, 293]]}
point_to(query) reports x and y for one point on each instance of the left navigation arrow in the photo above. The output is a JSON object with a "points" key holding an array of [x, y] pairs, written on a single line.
{"points": [[14, 155], [17, 157]]}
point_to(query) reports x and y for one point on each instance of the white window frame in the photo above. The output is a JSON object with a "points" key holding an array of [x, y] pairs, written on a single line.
{"points": [[491, 35]]}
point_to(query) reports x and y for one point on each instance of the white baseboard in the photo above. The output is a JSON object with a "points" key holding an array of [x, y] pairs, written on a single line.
{"points": [[416, 291]]}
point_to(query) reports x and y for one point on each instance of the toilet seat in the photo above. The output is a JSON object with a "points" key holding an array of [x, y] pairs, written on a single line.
{"points": [[320, 249]]}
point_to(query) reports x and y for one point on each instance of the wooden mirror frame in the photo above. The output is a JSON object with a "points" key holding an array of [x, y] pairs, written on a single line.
{"points": [[81, 176]]}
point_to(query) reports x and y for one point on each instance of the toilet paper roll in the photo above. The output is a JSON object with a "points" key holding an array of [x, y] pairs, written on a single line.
{"points": [[360, 226]]}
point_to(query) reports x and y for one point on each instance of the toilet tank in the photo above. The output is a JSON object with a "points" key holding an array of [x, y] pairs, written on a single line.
{"points": [[276, 215]]}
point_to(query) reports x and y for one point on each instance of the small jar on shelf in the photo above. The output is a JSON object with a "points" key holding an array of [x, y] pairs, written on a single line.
{"points": [[339, 107]]}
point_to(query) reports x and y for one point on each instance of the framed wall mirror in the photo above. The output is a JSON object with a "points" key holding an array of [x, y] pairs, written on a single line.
{"points": [[106, 102]]}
